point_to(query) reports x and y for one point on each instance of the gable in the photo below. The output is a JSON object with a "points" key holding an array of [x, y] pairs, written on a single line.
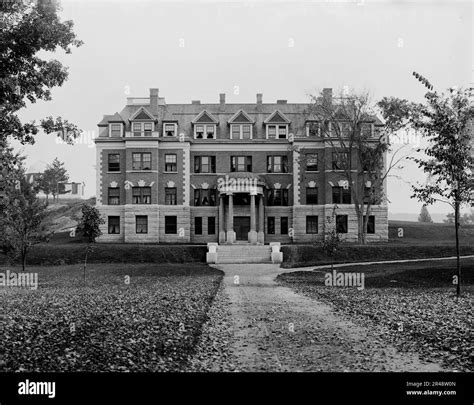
{"points": [[204, 118], [241, 117], [277, 118], [142, 114]]}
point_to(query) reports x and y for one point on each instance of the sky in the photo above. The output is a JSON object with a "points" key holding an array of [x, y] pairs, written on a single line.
{"points": [[194, 50]]}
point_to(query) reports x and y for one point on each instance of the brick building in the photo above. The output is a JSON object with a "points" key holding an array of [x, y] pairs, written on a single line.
{"points": [[198, 173]]}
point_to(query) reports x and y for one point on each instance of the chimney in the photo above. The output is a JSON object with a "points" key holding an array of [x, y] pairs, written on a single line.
{"points": [[154, 101], [281, 101], [327, 96], [195, 101], [259, 98], [222, 101]]}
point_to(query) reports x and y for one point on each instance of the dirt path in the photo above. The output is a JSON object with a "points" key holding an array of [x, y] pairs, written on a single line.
{"points": [[275, 329]]}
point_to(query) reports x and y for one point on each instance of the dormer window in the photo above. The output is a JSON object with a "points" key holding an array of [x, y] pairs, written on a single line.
{"points": [[205, 126], [241, 126], [313, 128], [170, 129], [277, 126], [142, 128], [115, 130]]}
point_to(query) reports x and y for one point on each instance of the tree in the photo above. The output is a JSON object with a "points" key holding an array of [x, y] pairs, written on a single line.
{"points": [[29, 29], [20, 218], [330, 244], [89, 227], [424, 215], [443, 119], [49, 181], [358, 142], [465, 219]]}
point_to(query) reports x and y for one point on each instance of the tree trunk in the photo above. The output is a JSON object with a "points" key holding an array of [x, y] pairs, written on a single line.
{"points": [[23, 261], [458, 264]]}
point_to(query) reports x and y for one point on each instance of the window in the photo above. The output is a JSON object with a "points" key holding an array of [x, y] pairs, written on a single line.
{"points": [[277, 164], [271, 225], [198, 225], [114, 162], [341, 223], [277, 131], [141, 161], [284, 225], [137, 129], [311, 195], [171, 226], [312, 128], [148, 128], [282, 132], [142, 128], [340, 195], [371, 196], [170, 163], [312, 162], [346, 129], [141, 224], [340, 161], [116, 130], [141, 195], [170, 129], [312, 224], [204, 131], [204, 164], [243, 131], [204, 197], [370, 224], [277, 197], [170, 196], [114, 225], [366, 130], [241, 163], [114, 196], [211, 225]]}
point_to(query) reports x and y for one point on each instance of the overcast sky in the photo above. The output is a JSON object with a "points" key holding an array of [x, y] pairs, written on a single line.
{"points": [[282, 49]]}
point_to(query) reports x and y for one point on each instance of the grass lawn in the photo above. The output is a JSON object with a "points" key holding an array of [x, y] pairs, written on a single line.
{"points": [[150, 324], [411, 305]]}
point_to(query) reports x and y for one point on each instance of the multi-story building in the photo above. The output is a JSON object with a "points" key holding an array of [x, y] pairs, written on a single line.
{"points": [[198, 173]]}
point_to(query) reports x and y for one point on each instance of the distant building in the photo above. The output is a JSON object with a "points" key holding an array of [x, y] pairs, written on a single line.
{"points": [[67, 190]]}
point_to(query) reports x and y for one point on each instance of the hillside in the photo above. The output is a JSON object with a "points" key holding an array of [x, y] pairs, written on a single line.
{"points": [[63, 216]]}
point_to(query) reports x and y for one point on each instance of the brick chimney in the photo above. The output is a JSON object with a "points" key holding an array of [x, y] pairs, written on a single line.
{"points": [[222, 101], [259, 101], [327, 96], [154, 101], [282, 101], [195, 102]]}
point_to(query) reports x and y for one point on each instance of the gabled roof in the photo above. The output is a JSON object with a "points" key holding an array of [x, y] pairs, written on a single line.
{"points": [[142, 114], [276, 118], [111, 118], [241, 117], [204, 118]]}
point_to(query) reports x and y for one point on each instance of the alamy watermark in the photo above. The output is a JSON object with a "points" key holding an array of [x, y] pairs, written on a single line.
{"points": [[85, 138], [336, 279], [21, 280]]}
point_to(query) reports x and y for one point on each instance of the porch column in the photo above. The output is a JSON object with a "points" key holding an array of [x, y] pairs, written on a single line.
{"points": [[221, 220], [230, 220], [261, 221], [253, 220]]}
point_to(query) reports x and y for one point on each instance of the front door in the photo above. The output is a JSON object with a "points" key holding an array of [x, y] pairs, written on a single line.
{"points": [[241, 227]]}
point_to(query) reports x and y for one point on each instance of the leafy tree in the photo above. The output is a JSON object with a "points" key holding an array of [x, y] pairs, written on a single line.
{"points": [[21, 217], [89, 227], [28, 29], [424, 215], [443, 119], [465, 219], [50, 181]]}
